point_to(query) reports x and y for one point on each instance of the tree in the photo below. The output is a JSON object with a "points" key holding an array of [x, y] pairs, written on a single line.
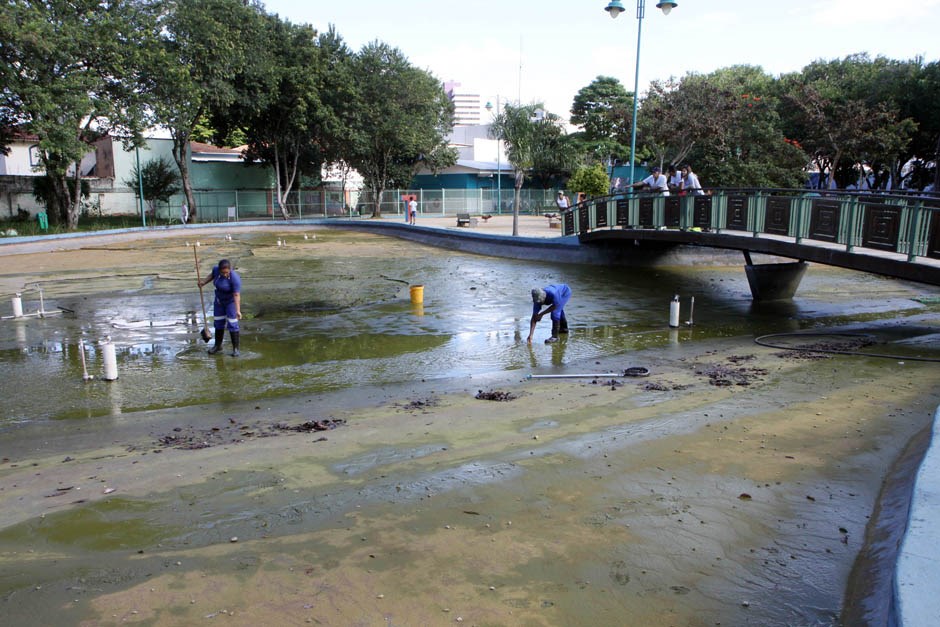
{"points": [[527, 132], [281, 103], [160, 180], [727, 124], [68, 77], [398, 120], [592, 181], [842, 112], [604, 109], [190, 73]]}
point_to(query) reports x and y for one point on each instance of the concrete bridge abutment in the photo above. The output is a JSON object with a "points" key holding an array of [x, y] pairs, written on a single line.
{"points": [[773, 281]]}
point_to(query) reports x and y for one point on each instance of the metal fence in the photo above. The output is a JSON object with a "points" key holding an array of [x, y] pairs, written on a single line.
{"points": [[261, 204], [452, 201]]}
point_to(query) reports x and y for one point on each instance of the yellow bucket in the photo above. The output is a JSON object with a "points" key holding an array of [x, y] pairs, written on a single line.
{"points": [[417, 294]]}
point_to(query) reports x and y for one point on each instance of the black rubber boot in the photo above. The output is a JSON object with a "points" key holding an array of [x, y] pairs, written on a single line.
{"points": [[554, 337], [217, 347], [234, 335], [563, 327]]}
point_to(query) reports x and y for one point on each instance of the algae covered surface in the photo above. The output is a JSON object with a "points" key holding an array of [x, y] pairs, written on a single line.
{"points": [[732, 485]]}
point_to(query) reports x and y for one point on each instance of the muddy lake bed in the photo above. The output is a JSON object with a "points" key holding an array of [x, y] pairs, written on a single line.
{"points": [[346, 469]]}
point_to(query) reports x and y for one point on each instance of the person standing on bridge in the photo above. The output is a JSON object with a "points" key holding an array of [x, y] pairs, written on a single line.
{"points": [[690, 183], [556, 297], [655, 182]]}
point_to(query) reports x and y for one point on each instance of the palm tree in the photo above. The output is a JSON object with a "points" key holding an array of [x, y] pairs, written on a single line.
{"points": [[526, 131]]}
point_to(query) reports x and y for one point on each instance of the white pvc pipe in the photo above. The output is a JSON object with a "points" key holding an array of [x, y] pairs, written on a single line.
{"points": [[674, 312], [573, 376], [110, 360], [18, 306]]}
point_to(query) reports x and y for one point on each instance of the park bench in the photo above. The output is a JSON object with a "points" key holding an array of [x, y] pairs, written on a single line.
{"points": [[464, 219], [554, 220]]}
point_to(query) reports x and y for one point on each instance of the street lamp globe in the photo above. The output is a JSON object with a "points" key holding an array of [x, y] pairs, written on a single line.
{"points": [[666, 6], [615, 8]]}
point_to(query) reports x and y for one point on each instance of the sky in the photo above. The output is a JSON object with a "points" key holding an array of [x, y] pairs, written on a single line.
{"points": [[546, 51]]}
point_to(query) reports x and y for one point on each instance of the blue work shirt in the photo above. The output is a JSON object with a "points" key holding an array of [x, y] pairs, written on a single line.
{"points": [[225, 289], [557, 295]]}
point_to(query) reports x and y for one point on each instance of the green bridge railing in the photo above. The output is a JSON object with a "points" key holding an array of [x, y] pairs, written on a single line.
{"points": [[904, 224]]}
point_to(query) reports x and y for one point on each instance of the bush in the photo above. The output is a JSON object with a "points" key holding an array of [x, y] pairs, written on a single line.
{"points": [[592, 181]]}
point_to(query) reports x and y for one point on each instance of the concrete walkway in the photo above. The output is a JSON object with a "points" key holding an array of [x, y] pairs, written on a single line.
{"points": [[917, 576]]}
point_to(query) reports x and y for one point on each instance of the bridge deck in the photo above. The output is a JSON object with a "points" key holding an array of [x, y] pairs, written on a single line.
{"points": [[896, 236]]}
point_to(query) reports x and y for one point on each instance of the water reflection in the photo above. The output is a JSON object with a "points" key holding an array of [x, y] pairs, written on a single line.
{"points": [[319, 321]]}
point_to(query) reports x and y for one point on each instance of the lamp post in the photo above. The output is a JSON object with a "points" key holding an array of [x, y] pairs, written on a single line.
{"points": [[499, 172], [615, 8]]}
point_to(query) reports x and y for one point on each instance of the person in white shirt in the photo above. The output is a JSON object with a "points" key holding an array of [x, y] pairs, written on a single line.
{"points": [[690, 183], [655, 182], [561, 201], [674, 177]]}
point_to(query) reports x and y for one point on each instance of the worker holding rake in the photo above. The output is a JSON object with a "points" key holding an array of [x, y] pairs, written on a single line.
{"points": [[227, 307]]}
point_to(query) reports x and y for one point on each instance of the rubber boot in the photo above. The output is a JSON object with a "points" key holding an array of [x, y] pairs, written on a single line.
{"points": [[554, 337], [234, 335], [217, 347], [563, 327]]}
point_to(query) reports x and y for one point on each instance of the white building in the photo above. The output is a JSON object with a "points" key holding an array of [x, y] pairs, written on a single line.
{"points": [[467, 108]]}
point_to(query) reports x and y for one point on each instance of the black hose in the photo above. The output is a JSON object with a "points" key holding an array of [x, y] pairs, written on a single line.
{"points": [[762, 342]]}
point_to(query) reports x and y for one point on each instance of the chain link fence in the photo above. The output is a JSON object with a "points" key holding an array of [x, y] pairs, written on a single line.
{"points": [[262, 204], [440, 202]]}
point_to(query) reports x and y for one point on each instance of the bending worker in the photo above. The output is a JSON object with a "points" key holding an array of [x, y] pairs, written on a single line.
{"points": [[556, 297], [227, 308]]}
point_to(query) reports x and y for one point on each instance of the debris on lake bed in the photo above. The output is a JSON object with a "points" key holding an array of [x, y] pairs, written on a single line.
{"points": [[722, 375], [495, 395], [419, 404], [191, 439], [313, 425]]}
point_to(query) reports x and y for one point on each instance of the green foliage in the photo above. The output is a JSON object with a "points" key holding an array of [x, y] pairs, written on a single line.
{"points": [[286, 104], [604, 109], [725, 123], [592, 181], [534, 144], [200, 47], [160, 179], [847, 111], [69, 69], [398, 119]]}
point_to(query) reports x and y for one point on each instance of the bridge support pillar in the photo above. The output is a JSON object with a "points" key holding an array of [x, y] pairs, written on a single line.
{"points": [[773, 281]]}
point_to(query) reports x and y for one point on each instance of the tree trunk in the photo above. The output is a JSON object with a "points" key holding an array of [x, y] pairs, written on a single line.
{"points": [[287, 173], [74, 206], [180, 154], [516, 201], [377, 201]]}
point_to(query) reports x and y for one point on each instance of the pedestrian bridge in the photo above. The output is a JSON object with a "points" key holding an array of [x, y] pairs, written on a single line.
{"points": [[888, 234]]}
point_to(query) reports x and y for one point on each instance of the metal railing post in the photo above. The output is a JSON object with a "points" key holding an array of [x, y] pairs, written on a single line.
{"points": [[850, 226], [913, 244]]}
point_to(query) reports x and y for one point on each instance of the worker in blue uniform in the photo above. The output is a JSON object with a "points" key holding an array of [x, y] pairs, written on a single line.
{"points": [[555, 297], [227, 308]]}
